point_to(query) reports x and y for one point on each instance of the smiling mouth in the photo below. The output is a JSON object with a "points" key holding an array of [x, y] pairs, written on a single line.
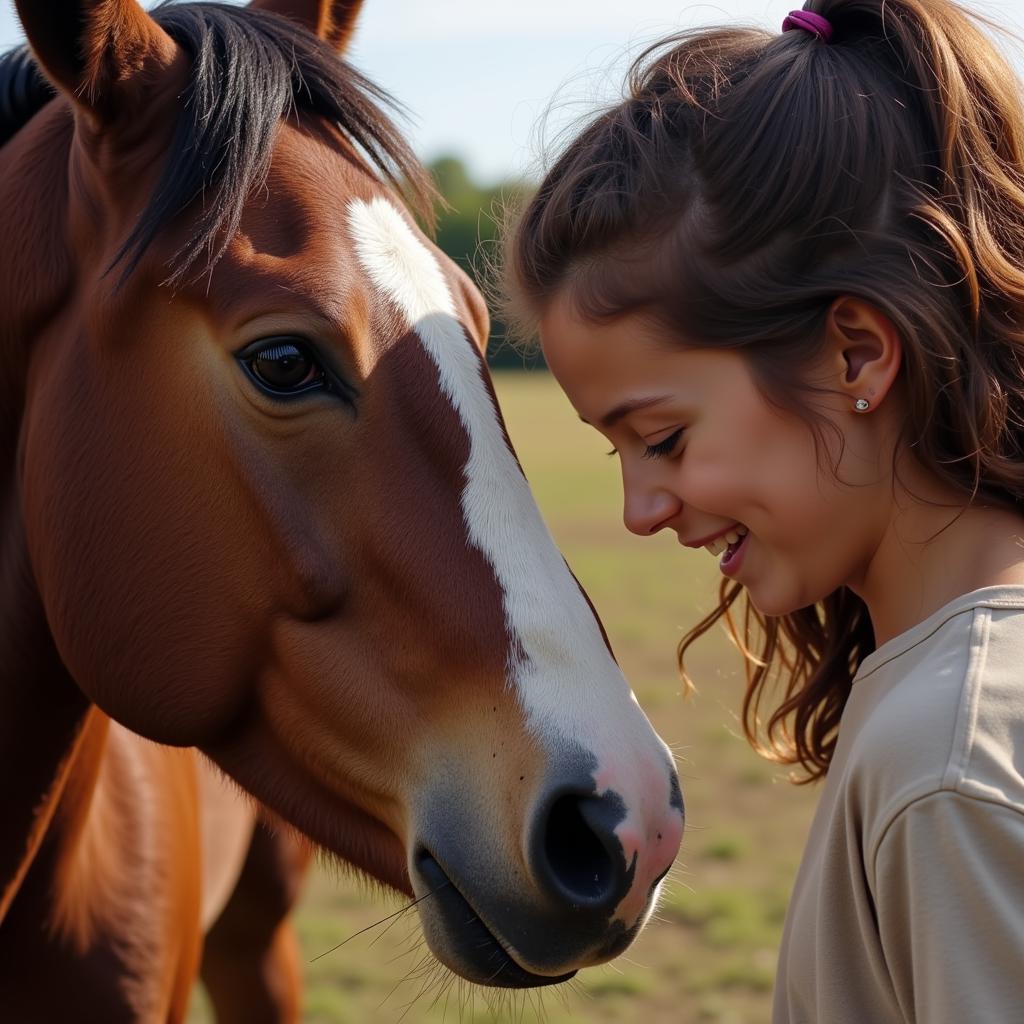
{"points": [[729, 539], [480, 954]]}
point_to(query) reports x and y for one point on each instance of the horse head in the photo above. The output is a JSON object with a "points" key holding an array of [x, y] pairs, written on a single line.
{"points": [[269, 503]]}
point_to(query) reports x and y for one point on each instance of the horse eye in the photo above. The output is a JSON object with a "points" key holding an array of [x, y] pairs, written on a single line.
{"points": [[284, 367]]}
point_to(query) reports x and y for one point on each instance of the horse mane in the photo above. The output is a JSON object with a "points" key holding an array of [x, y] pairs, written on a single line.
{"points": [[23, 91], [250, 69]]}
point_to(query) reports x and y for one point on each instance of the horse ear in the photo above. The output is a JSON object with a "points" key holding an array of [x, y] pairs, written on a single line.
{"points": [[332, 20], [100, 52]]}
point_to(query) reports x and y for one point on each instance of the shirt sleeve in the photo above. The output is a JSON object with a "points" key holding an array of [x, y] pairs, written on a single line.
{"points": [[949, 895]]}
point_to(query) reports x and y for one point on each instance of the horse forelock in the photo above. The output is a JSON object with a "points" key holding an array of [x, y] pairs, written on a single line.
{"points": [[558, 651], [252, 68]]}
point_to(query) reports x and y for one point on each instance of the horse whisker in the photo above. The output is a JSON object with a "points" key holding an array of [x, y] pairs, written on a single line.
{"points": [[397, 918], [401, 910], [424, 987], [444, 984], [413, 942]]}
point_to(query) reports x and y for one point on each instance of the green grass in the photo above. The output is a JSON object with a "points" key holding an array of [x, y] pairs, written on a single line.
{"points": [[709, 953]]}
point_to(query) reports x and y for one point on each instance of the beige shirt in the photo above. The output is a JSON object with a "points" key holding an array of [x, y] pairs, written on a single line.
{"points": [[909, 903]]}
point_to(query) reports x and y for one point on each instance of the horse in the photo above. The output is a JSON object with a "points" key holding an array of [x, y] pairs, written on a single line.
{"points": [[270, 567]]}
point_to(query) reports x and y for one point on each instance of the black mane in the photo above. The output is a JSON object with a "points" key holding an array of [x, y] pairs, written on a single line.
{"points": [[250, 69], [23, 91]]}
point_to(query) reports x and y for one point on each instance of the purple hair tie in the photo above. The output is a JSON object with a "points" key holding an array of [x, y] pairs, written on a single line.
{"points": [[816, 24]]}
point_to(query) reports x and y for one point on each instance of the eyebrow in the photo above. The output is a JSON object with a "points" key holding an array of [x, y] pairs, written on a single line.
{"points": [[625, 408]]}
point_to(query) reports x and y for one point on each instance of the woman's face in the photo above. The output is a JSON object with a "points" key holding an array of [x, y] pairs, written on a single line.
{"points": [[704, 454]]}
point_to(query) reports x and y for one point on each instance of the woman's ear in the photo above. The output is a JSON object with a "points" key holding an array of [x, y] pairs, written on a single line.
{"points": [[865, 348]]}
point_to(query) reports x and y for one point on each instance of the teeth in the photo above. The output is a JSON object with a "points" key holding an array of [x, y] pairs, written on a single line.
{"points": [[716, 547]]}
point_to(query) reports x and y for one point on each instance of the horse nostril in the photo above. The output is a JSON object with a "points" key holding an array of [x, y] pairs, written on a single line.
{"points": [[581, 857]]}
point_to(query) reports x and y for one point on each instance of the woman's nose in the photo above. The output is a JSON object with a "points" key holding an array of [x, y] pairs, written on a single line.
{"points": [[646, 508]]}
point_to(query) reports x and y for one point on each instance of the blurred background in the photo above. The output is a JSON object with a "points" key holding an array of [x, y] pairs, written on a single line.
{"points": [[488, 89]]}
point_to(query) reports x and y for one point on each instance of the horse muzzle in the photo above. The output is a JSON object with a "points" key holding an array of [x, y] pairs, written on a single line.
{"points": [[573, 890]]}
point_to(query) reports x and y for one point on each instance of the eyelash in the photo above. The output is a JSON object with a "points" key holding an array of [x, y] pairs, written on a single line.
{"points": [[279, 346], [663, 448], [659, 450]]}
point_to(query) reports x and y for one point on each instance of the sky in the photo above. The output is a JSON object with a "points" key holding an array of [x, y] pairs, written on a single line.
{"points": [[493, 83]]}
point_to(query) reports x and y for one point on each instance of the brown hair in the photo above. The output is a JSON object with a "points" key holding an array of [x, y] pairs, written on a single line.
{"points": [[748, 180]]}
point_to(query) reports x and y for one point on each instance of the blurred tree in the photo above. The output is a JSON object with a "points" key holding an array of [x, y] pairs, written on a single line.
{"points": [[468, 233]]}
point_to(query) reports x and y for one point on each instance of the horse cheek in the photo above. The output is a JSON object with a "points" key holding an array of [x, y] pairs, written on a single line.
{"points": [[153, 618]]}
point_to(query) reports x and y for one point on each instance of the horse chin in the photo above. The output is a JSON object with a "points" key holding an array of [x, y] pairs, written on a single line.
{"points": [[290, 790], [460, 939]]}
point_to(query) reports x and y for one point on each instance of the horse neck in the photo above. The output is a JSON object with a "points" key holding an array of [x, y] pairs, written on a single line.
{"points": [[42, 711]]}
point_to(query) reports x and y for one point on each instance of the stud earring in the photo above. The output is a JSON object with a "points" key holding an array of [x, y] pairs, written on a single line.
{"points": [[862, 405]]}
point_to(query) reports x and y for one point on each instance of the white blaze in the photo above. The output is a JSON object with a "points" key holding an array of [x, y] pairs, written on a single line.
{"points": [[567, 681]]}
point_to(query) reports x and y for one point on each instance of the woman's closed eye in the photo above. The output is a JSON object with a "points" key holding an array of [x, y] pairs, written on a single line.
{"points": [[659, 450], [665, 447]]}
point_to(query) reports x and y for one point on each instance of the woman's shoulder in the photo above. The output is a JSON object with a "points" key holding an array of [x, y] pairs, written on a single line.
{"points": [[944, 711]]}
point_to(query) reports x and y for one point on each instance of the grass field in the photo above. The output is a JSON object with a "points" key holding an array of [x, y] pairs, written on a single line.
{"points": [[710, 954]]}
